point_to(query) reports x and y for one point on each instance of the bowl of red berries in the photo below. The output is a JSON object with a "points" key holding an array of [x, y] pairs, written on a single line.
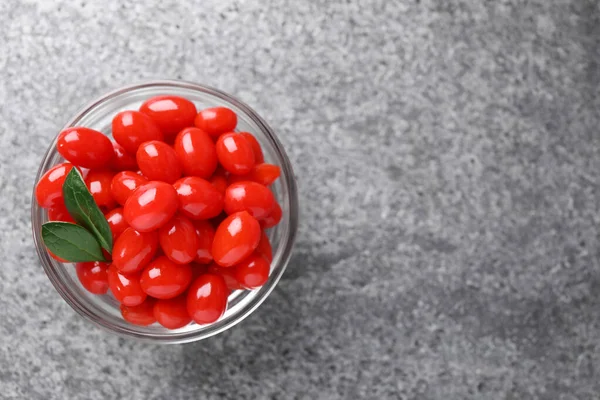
{"points": [[165, 211]]}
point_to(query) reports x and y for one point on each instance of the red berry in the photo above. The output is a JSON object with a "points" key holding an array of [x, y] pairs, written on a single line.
{"points": [[256, 149], [124, 183], [48, 191], [85, 147], [93, 276], [228, 275], [235, 153], [59, 213], [235, 239], [207, 298], [116, 222], [142, 314], [198, 199], [178, 240], [98, 183], [196, 152], [163, 279], [132, 128], [216, 121], [133, 250], [122, 160], [170, 113], [158, 161], [264, 247], [273, 218], [125, 288], [151, 206], [172, 313], [206, 234], [265, 174], [252, 272], [249, 196]]}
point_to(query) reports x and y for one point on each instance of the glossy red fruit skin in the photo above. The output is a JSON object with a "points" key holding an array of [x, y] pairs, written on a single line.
{"points": [[98, 183], [178, 240], [235, 153], [252, 272], [133, 250], [48, 191], [264, 247], [172, 313], [273, 218], [198, 199], [132, 128], [142, 314], [265, 174], [196, 152], [206, 234], [158, 161], [116, 222], [151, 206], [207, 298], [228, 275], [163, 279], [256, 149], [126, 288], [85, 147], [249, 196], [60, 213], [93, 276], [235, 239], [216, 120], [170, 113], [123, 185], [122, 160]]}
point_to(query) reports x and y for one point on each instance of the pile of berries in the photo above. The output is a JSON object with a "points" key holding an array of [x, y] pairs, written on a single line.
{"points": [[187, 200]]}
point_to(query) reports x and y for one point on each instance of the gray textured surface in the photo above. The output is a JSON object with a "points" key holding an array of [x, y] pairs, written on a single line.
{"points": [[447, 157]]}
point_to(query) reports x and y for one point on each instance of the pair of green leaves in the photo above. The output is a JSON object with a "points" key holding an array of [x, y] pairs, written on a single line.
{"points": [[85, 240]]}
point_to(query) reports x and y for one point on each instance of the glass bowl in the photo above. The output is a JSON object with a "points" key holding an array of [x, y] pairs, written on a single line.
{"points": [[104, 310]]}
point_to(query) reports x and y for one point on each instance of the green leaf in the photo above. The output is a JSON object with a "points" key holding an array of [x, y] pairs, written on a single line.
{"points": [[71, 242], [84, 210]]}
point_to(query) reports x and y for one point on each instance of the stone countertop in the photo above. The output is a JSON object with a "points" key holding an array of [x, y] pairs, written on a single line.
{"points": [[447, 160]]}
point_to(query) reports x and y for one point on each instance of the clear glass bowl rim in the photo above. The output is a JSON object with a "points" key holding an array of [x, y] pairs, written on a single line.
{"points": [[280, 259]]}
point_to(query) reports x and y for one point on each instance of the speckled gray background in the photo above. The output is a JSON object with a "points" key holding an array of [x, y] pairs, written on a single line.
{"points": [[447, 154]]}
